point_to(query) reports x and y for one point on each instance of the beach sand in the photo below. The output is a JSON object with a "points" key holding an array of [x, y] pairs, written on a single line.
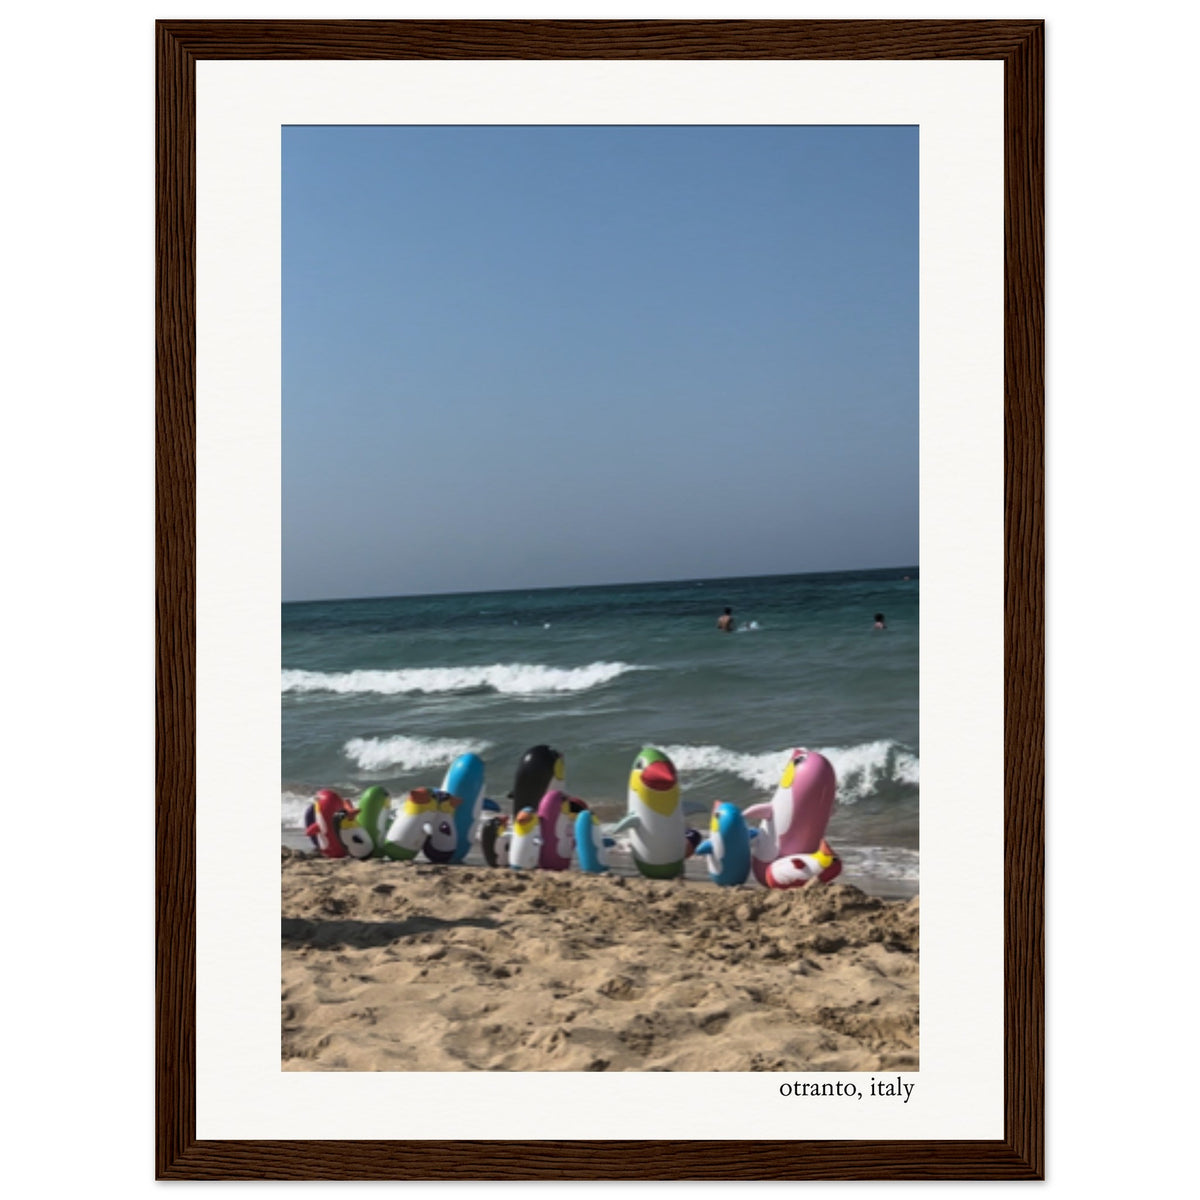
{"points": [[419, 967]]}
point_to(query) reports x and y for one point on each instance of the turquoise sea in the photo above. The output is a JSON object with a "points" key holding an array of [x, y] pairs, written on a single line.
{"points": [[390, 691]]}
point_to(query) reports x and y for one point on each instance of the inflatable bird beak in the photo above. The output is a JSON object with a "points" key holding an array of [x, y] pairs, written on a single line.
{"points": [[659, 776]]}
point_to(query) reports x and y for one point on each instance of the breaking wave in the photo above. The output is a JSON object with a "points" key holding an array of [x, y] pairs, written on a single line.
{"points": [[509, 679], [861, 770], [408, 753]]}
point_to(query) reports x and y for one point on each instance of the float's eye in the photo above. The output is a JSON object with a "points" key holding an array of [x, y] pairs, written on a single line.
{"points": [[358, 843]]}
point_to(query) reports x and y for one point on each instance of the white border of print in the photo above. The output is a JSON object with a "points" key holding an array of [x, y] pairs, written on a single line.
{"points": [[242, 1092]]}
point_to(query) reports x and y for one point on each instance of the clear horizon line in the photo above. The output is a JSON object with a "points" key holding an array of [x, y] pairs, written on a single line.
{"points": [[558, 587]]}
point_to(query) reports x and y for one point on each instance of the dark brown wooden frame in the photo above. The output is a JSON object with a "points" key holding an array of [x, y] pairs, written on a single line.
{"points": [[1020, 46]]}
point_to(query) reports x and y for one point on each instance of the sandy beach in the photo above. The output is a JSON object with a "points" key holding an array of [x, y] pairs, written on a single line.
{"points": [[420, 967]]}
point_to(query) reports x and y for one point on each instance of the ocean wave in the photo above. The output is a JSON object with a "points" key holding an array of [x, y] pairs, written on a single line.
{"points": [[882, 862], [509, 679], [408, 753], [762, 770], [860, 769], [293, 807]]}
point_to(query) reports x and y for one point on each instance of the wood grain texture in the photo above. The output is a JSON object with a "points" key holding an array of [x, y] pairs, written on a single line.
{"points": [[1024, 599], [1020, 45], [598, 39], [175, 601]]}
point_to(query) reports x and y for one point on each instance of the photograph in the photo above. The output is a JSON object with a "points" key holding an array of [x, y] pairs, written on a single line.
{"points": [[600, 623]]}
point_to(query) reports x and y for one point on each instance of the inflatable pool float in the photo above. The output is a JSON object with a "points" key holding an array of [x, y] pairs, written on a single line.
{"points": [[363, 834], [800, 869], [323, 819], [494, 837], [590, 844], [556, 818], [792, 825], [424, 823], [442, 841], [727, 847], [526, 840], [464, 779], [657, 833], [540, 769]]}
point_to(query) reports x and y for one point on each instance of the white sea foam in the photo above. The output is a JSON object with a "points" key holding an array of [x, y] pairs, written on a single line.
{"points": [[762, 770], [293, 808], [510, 679], [860, 769], [881, 862], [408, 753]]}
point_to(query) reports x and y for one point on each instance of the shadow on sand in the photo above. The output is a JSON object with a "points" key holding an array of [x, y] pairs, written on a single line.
{"points": [[298, 932]]}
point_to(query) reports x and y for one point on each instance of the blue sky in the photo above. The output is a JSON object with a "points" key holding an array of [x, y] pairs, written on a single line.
{"points": [[552, 355]]}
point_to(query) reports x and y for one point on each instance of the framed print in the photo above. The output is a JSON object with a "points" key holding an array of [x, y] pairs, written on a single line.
{"points": [[502, 358]]}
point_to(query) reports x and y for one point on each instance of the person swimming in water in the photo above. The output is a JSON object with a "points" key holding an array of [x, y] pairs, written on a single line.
{"points": [[725, 621], [879, 621]]}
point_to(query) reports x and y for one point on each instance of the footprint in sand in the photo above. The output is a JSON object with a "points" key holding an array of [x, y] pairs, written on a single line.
{"points": [[639, 1037], [620, 987], [712, 1023]]}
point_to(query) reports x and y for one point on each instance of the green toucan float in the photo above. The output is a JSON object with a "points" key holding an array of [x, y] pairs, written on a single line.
{"points": [[363, 834], [655, 824]]}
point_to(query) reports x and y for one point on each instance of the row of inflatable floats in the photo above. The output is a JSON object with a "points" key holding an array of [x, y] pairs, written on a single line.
{"points": [[782, 841]]}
